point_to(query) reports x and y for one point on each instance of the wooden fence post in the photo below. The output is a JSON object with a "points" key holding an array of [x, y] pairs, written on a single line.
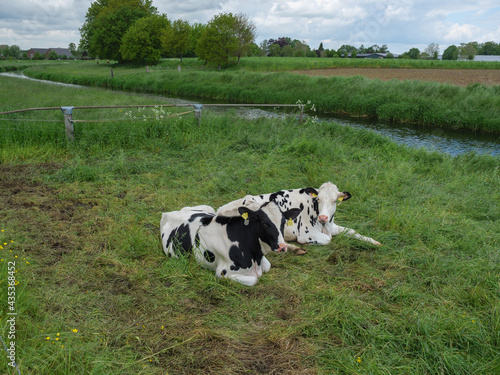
{"points": [[68, 123], [197, 112]]}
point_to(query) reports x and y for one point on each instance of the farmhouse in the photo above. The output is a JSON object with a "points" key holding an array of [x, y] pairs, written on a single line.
{"points": [[46, 51]]}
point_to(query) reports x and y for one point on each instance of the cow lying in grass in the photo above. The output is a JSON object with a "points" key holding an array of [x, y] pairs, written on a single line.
{"points": [[315, 223], [234, 246]]}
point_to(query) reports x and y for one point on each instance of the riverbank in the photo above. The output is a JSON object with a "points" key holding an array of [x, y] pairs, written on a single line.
{"points": [[475, 107]]}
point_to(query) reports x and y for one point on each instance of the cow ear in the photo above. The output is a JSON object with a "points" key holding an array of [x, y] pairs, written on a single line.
{"points": [[311, 191], [245, 213], [344, 196], [292, 213]]}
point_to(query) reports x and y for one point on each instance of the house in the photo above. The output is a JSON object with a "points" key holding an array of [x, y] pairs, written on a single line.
{"points": [[31, 53], [373, 55], [46, 51], [61, 52]]}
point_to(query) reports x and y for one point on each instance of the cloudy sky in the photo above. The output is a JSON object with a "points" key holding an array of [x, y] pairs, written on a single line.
{"points": [[401, 24]]}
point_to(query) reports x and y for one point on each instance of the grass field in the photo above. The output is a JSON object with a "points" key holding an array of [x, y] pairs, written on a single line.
{"points": [[96, 295], [475, 107]]}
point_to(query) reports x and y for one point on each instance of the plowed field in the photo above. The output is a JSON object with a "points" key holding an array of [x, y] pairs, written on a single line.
{"points": [[462, 77]]}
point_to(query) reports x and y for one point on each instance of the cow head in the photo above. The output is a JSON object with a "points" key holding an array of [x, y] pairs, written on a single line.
{"points": [[265, 218], [326, 201]]}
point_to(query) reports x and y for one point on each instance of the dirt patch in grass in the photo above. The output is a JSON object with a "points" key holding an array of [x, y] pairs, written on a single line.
{"points": [[461, 77]]}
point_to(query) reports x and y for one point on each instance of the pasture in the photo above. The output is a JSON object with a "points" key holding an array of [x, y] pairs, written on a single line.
{"points": [[96, 294], [474, 107]]}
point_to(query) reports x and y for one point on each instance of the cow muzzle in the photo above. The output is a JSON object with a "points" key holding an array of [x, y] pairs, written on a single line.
{"points": [[282, 248], [323, 219]]}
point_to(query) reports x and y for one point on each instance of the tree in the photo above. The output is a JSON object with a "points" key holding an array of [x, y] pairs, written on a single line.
{"points": [[432, 50], [264, 47], [287, 51], [254, 50], [320, 52], [195, 35], [53, 55], [280, 41], [75, 51], [224, 37], [14, 51], [383, 49], [345, 49], [414, 53], [175, 38], [38, 56], [72, 49], [301, 49], [107, 21], [274, 50], [450, 53], [245, 34], [489, 48], [142, 41], [467, 51]]}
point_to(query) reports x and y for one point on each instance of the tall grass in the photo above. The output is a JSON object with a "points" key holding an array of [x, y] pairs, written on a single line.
{"points": [[476, 107], [99, 296]]}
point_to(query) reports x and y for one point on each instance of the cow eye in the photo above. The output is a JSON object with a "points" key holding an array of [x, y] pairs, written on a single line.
{"points": [[265, 225]]}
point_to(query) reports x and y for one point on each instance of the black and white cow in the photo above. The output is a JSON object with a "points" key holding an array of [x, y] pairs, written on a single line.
{"points": [[315, 223], [233, 246]]}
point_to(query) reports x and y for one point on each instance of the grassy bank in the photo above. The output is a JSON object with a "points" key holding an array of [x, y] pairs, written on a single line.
{"points": [[95, 293], [476, 107]]}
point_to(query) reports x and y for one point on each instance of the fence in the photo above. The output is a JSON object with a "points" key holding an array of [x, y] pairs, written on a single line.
{"points": [[197, 108]]}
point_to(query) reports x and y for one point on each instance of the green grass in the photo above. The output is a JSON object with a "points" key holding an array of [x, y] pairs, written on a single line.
{"points": [[85, 217], [475, 107]]}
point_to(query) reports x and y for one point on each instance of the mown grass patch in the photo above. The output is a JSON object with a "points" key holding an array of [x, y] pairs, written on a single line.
{"points": [[99, 296]]}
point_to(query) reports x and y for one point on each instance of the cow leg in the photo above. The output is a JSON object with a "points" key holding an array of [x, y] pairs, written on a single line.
{"points": [[265, 265], [314, 237], [353, 234], [245, 280], [295, 249]]}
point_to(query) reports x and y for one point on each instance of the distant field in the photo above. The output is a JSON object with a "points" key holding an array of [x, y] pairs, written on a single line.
{"points": [[461, 77]]}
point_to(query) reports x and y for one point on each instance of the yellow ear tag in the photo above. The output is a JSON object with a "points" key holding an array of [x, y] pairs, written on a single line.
{"points": [[341, 199], [245, 215], [314, 195], [289, 222]]}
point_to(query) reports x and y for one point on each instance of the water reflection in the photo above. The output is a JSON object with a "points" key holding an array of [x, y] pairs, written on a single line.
{"points": [[450, 141]]}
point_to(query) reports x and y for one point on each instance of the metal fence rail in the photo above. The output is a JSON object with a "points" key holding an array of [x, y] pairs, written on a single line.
{"points": [[69, 121]]}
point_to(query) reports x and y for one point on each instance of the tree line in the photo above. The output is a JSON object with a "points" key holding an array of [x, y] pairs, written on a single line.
{"points": [[134, 31]]}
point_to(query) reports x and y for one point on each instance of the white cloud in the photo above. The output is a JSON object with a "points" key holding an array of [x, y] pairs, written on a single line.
{"points": [[455, 32], [400, 23]]}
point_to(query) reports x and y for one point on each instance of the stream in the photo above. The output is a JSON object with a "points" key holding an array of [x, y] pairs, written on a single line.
{"points": [[450, 141]]}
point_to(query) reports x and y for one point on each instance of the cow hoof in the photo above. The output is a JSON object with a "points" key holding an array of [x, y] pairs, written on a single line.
{"points": [[300, 252], [376, 243]]}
